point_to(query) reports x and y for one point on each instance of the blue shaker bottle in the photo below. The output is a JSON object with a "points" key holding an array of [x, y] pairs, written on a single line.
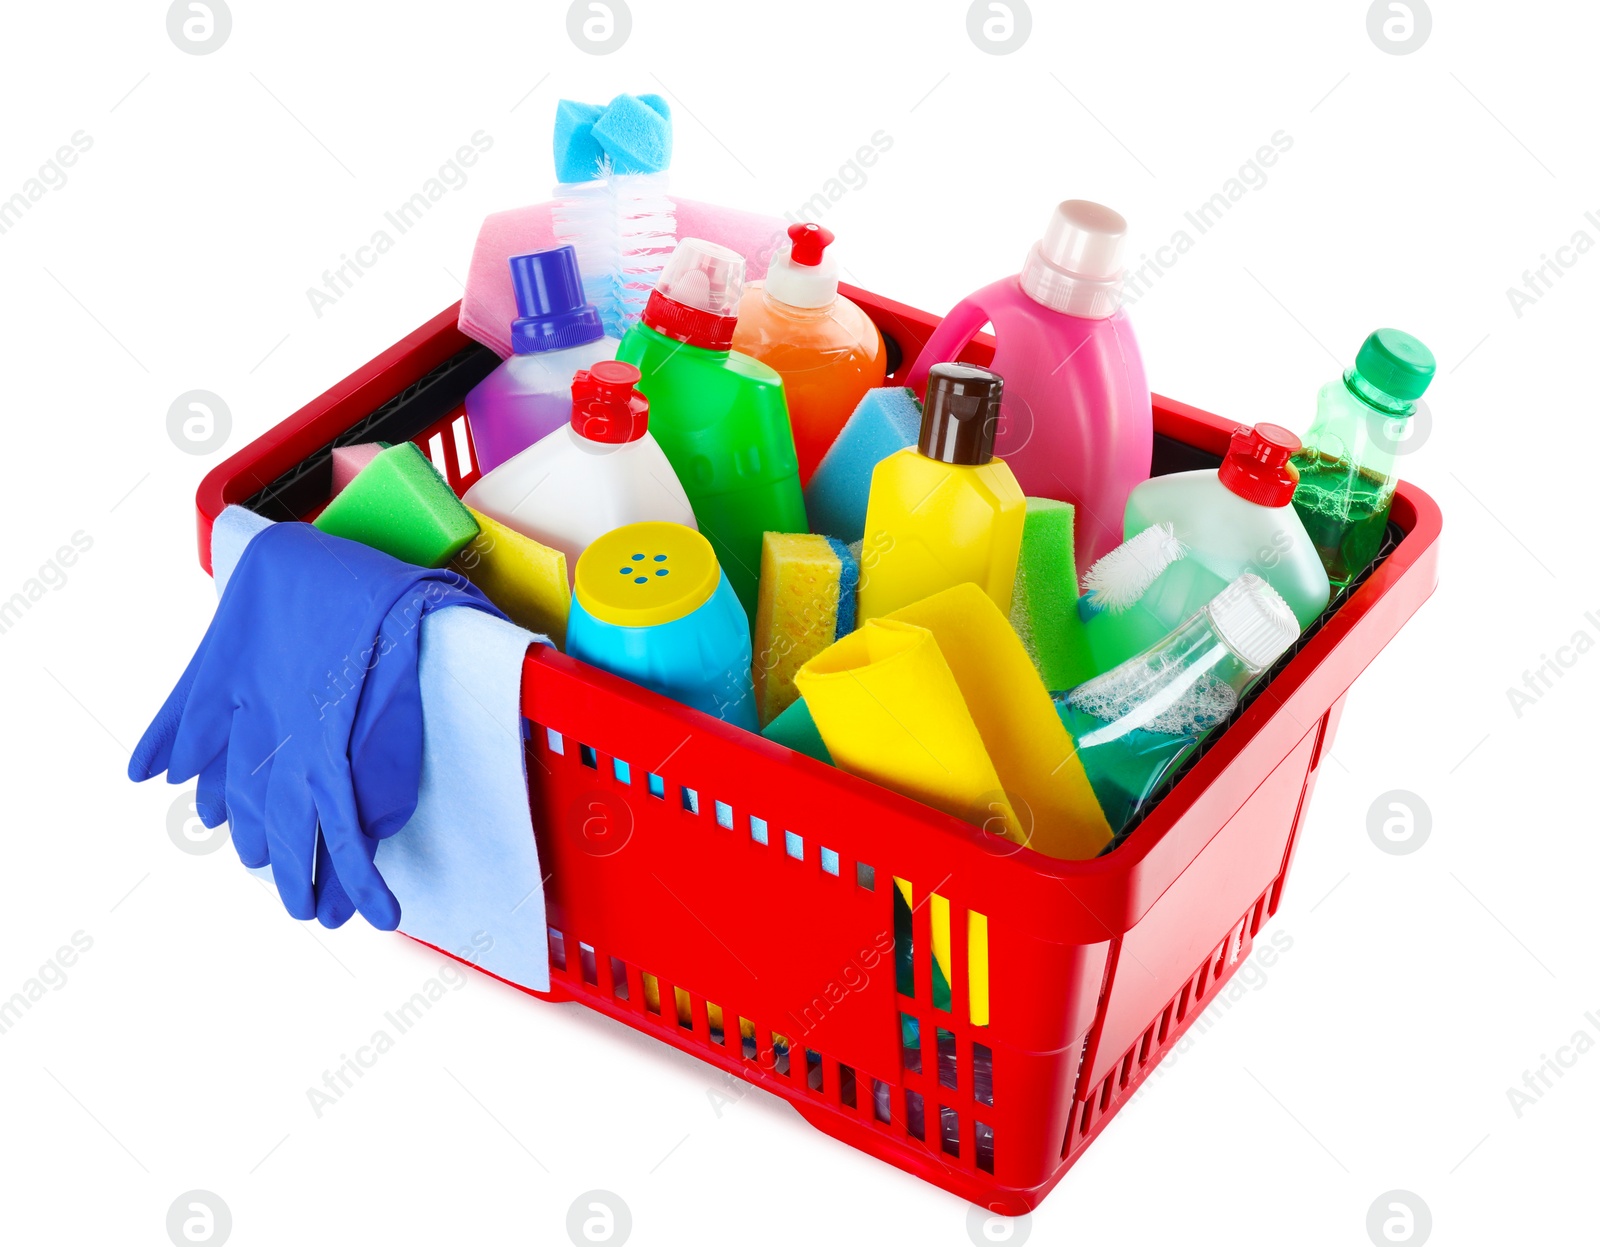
{"points": [[651, 604]]}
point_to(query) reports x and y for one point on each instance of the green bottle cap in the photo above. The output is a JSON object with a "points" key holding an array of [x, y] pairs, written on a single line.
{"points": [[1396, 363]]}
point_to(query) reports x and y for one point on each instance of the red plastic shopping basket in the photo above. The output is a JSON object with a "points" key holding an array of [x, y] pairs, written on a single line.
{"points": [[700, 874]]}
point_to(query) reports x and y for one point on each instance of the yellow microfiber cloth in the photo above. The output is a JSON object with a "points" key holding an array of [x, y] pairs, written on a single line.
{"points": [[940, 701], [523, 578], [807, 600], [890, 710]]}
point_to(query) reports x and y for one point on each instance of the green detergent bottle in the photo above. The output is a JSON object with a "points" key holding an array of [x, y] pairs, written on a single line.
{"points": [[720, 416], [1347, 462]]}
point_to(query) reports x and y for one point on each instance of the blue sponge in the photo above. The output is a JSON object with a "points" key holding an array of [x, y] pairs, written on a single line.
{"points": [[636, 132], [849, 584], [578, 152], [886, 420]]}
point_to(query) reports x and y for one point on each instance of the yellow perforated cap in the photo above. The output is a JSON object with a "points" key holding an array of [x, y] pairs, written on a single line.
{"points": [[644, 574]]}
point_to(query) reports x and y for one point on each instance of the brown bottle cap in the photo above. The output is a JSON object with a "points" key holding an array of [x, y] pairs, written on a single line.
{"points": [[959, 414]]}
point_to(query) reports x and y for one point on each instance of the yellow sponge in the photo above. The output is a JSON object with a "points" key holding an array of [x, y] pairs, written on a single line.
{"points": [[807, 601], [523, 578]]}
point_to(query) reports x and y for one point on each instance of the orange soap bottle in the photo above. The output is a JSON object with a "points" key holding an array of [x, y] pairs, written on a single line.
{"points": [[826, 349]]}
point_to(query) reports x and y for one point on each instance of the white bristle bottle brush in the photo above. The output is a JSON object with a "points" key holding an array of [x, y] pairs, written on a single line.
{"points": [[624, 228], [1119, 579]]}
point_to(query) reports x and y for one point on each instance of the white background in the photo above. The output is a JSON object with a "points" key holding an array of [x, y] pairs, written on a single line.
{"points": [[1376, 1054]]}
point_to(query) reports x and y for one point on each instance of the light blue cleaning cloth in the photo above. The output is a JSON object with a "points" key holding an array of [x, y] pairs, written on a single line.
{"points": [[465, 869]]}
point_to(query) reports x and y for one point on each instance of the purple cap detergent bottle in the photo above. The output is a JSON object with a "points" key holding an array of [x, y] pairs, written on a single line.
{"points": [[556, 334], [1075, 420]]}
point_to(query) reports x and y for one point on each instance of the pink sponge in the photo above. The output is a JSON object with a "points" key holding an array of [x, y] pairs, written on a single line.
{"points": [[488, 307], [349, 460]]}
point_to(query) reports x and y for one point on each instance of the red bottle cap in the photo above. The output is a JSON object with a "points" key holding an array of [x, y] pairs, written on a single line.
{"points": [[690, 325], [696, 299], [606, 407], [1257, 466], [807, 243]]}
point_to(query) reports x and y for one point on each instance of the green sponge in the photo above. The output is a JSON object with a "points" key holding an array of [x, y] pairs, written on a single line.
{"points": [[798, 730], [399, 504], [1044, 605]]}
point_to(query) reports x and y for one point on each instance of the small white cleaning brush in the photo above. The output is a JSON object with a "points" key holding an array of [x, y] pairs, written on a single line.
{"points": [[624, 228], [1119, 579]]}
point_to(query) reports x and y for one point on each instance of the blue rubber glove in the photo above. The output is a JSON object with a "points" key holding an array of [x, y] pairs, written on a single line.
{"points": [[301, 707]]}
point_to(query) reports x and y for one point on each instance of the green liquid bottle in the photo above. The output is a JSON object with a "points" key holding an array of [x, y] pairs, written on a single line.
{"points": [[1347, 463], [720, 416], [1135, 725]]}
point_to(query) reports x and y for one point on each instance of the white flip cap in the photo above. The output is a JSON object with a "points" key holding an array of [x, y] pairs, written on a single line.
{"points": [[804, 273], [1076, 267], [705, 276], [1253, 621]]}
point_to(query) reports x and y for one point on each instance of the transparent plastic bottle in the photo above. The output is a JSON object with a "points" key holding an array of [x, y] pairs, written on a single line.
{"points": [[1138, 593], [599, 472], [1239, 518], [529, 396], [1135, 724], [827, 350], [1347, 466]]}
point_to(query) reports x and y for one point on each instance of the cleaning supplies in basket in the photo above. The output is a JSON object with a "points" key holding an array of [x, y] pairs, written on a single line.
{"points": [[719, 415], [599, 471], [1347, 465], [1136, 723], [945, 510], [651, 605], [1076, 421], [1238, 518], [556, 333], [826, 349], [940, 701]]}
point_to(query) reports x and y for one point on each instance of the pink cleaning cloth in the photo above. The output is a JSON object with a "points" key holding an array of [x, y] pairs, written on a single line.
{"points": [[348, 460], [488, 307]]}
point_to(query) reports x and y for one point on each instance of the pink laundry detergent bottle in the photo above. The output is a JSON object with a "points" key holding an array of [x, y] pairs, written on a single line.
{"points": [[1075, 420]]}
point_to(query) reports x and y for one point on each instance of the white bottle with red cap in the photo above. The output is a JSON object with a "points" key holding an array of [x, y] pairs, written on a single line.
{"points": [[1236, 519], [827, 350], [598, 472]]}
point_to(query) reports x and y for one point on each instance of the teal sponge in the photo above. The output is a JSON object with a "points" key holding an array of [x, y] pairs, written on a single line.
{"points": [[884, 421], [578, 152], [798, 730], [636, 132], [1044, 603], [399, 504]]}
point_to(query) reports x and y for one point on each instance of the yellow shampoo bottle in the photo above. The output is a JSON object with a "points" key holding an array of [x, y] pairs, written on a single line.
{"points": [[945, 511]]}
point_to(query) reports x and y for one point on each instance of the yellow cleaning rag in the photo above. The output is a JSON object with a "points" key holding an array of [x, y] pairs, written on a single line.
{"points": [[940, 701]]}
